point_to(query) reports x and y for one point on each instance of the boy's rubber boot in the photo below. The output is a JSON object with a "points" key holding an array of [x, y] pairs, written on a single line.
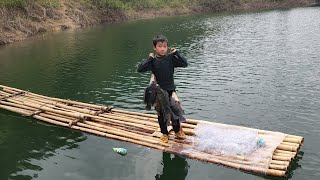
{"points": [[180, 134], [164, 138]]}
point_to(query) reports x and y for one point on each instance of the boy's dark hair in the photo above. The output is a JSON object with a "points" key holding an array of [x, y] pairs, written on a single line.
{"points": [[159, 38]]}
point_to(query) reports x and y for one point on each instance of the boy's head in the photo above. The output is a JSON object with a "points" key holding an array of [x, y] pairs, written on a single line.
{"points": [[160, 45]]}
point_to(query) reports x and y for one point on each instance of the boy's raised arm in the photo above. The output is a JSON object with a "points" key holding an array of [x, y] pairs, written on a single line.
{"points": [[179, 61], [145, 65]]}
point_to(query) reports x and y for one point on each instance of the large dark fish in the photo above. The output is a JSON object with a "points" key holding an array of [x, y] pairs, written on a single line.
{"points": [[177, 110], [164, 105], [170, 108], [150, 94]]}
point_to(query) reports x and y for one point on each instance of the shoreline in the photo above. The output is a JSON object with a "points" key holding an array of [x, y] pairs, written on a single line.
{"points": [[33, 19]]}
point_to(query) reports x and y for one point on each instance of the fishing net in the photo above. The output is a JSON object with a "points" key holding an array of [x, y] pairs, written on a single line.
{"points": [[235, 144], [226, 140]]}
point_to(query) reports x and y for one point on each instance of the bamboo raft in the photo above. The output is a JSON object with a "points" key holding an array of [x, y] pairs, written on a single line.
{"points": [[137, 128]]}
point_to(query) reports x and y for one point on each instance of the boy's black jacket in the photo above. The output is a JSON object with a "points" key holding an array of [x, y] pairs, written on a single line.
{"points": [[163, 68]]}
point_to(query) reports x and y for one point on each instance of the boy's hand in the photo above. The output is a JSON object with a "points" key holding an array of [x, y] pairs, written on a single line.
{"points": [[173, 50], [151, 55]]}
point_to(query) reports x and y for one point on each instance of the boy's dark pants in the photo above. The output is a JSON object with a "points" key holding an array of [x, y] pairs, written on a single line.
{"points": [[163, 123]]}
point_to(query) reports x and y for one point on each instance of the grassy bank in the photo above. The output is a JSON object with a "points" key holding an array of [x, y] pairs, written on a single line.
{"points": [[22, 3], [20, 19], [127, 5]]}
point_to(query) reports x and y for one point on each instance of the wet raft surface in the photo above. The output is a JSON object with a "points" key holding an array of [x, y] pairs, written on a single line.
{"points": [[143, 129]]}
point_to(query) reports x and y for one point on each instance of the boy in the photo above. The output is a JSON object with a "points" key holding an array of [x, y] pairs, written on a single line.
{"points": [[162, 66]]}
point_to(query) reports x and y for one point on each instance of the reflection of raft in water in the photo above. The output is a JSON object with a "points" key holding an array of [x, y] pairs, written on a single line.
{"points": [[142, 129]]}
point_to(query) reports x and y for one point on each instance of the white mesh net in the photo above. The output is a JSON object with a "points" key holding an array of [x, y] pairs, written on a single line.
{"points": [[236, 144], [223, 140]]}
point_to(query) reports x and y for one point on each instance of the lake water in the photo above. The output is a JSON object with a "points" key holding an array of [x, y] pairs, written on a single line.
{"points": [[255, 69]]}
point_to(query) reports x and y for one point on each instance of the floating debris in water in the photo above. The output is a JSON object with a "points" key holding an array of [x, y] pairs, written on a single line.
{"points": [[121, 151]]}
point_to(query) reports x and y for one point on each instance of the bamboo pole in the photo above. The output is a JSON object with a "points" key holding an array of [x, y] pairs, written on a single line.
{"points": [[60, 105], [287, 148], [106, 120], [285, 152], [289, 141], [51, 105], [72, 114], [96, 124], [82, 116], [281, 158], [293, 139], [260, 170], [6, 88], [190, 121], [284, 163], [270, 165], [130, 120], [264, 163], [4, 94], [55, 105], [291, 144], [110, 130], [288, 138], [139, 140], [297, 146], [184, 125], [187, 131], [17, 105], [240, 160], [137, 130], [89, 112], [284, 155], [278, 167], [243, 160], [113, 136]]}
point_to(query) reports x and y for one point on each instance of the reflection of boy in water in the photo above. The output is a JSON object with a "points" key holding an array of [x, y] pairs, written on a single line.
{"points": [[162, 66], [176, 167]]}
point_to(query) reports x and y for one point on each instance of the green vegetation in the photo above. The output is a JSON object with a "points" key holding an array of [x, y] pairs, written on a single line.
{"points": [[12, 2], [140, 4], [21, 3], [153, 4], [112, 4], [137, 4]]}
